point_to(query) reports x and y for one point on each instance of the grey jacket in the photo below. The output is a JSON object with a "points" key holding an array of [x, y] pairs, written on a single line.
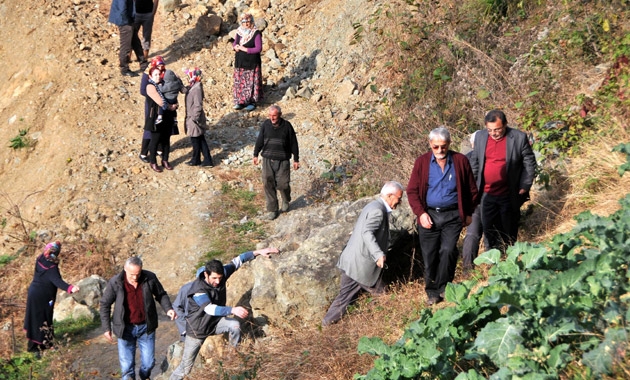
{"points": [[520, 163], [196, 122], [368, 243]]}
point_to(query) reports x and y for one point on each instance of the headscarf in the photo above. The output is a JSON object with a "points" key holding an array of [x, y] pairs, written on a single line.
{"points": [[157, 61], [52, 250], [194, 75], [246, 34]]}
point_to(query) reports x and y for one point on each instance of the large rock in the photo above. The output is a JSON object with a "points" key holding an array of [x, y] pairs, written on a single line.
{"points": [[82, 304], [298, 285], [209, 25]]}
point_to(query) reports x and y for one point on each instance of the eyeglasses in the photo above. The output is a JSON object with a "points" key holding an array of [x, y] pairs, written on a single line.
{"points": [[495, 130], [439, 147], [245, 21]]}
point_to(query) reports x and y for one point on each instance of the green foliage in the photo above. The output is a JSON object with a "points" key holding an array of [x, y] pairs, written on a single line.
{"points": [[624, 148], [74, 327], [545, 308], [22, 366], [20, 141], [5, 259]]}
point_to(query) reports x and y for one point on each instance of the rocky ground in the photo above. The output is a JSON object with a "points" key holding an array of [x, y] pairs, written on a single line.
{"points": [[81, 178]]}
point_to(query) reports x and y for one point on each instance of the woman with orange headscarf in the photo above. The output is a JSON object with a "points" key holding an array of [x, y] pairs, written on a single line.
{"points": [[38, 321]]}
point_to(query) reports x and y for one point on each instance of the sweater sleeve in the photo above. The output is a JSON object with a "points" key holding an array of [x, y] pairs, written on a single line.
{"points": [[295, 150], [257, 45], [153, 93]]}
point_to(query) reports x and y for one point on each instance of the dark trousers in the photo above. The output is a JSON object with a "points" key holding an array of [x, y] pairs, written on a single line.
{"points": [[163, 138], [129, 40], [474, 232], [200, 146], [348, 292], [276, 176], [499, 220], [438, 250]]}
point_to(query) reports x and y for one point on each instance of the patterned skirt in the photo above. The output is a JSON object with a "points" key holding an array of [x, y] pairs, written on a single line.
{"points": [[248, 87]]}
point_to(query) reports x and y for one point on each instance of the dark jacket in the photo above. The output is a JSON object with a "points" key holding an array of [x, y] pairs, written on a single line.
{"points": [[277, 143], [467, 194], [121, 12], [200, 324], [520, 163], [115, 293]]}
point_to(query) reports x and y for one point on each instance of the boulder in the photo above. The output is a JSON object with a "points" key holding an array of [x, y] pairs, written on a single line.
{"points": [[298, 285], [82, 304], [209, 25], [169, 6]]}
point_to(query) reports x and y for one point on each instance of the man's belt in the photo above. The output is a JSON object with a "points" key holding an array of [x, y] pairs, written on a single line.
{"points": [[444, 209]]}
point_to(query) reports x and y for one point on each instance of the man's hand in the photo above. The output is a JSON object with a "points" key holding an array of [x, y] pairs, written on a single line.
{"points": [[108, 336], [171, 313], [296, 165], [381, 261], [468, 220], [425, 221], [240, 312], [266, 252], [522, 191], [255, 161]]}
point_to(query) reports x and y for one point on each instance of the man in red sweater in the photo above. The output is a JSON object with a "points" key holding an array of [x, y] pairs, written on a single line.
{"points": [[504, 164]]}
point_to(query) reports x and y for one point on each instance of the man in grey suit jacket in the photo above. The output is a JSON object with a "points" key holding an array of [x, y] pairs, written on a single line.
{"points": [[363, 258], [504, 165]]}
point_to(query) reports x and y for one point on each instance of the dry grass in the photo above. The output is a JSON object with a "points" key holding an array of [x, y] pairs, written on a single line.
{"points": [[589, 181], [330, 353]]}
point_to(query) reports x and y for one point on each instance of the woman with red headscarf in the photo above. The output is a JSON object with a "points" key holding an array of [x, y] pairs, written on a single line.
{"points": [[196, 124], [38, 321]]}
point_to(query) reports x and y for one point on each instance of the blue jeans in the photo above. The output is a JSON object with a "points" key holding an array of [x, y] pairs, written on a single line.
{"points": [[127, 352]]}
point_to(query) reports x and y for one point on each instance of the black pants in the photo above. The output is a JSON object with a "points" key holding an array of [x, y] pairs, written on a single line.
{"points": [[499, 220], [200, 146], [474, 232], [276, 176], [129, 40], [438, 250], [163, 138], [348, 292]]}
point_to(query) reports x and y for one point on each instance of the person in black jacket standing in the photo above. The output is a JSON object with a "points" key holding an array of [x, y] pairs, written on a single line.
{"points": [[276, 143], [207, 313], [135, 316], [40, 304]]}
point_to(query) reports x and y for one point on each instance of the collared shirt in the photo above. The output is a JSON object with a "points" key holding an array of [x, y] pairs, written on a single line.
{"points": [[134, 304], [442, 191]]}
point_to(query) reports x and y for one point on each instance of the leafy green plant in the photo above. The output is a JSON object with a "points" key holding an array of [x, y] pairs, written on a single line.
{"points": [[21, 366], [5, 259], [623, 148], [546, 307], [21, 140]]}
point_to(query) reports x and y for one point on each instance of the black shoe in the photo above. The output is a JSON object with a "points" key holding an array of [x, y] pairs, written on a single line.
{"points": [[190, 163], [208, 164], [433, 300], [143, 65], [143, 158], [128, 73]]}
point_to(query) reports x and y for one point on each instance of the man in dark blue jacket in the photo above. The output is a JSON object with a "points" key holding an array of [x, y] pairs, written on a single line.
{"points": [[122, 14], [207, 313]]}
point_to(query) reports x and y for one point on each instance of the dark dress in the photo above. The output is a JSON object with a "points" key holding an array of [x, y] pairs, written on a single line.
{"points": [[40, 304]]}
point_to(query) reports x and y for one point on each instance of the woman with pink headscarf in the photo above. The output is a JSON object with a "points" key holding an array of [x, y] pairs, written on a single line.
{"points": [[38, 321], [248, 87]]}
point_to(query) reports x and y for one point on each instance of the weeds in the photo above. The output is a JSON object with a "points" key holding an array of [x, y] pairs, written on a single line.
{"points": [[21, 140]]}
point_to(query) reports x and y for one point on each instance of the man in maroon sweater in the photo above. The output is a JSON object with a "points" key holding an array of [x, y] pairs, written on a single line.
{"points": [[443, 195], [504, 164]]}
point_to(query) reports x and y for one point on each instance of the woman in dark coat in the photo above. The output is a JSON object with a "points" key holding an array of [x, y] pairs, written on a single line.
{"points": [[160, 132], [38, 321], [248, 87]]}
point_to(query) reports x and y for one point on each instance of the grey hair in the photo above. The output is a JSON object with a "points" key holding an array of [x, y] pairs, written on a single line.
{"points": [[391, 187], [135, 261], [440, 134], [275, 107]]}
